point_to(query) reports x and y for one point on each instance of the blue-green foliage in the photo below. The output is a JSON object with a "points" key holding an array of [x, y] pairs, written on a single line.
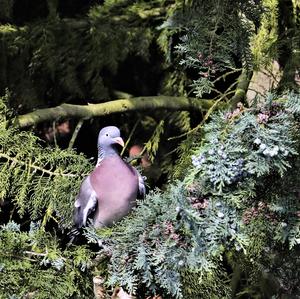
{"points": [[239, 198], [163, 239], [245, 144]]}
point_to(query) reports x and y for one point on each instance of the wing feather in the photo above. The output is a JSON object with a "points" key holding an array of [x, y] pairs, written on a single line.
{"points": [[86, 202], [142, 186]]}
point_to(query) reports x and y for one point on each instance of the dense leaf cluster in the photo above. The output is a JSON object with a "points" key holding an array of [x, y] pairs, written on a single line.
{"points": [[236, 213], [218, 42], [39, 180], [239, 198], [33, 265], [55, 58]]}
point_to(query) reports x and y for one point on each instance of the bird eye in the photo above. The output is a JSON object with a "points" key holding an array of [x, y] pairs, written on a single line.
{"points": [[106, 134]]}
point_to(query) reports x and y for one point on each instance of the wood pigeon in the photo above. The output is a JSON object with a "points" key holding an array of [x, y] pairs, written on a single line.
{"points": [[113, 186]]}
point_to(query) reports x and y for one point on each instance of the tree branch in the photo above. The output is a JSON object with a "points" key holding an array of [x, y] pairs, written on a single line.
{"points": [[36, 168], [241, 89], [67, 111]]}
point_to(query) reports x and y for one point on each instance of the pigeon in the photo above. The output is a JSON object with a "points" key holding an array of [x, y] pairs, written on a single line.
{"points": [[111, 189]]}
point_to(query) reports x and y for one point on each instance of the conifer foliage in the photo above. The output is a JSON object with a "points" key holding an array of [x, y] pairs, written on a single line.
{"points": [[30, 172], [239, 198], [32, 265], [230, 228], [235, 213]]}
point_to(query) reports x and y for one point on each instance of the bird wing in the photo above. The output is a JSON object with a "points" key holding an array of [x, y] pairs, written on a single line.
{"points": [[142, 187], [85, 203]]}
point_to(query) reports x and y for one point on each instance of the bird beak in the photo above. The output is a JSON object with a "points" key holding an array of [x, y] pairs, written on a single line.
{"points": [[119, 140]]}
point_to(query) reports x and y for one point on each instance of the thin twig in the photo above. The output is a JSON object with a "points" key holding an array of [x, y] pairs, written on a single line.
{"points": [[130, 136], [227, 74], [54, 132], [38, 168], [75, 133], [161, 123], [17, 257], [206, 116], [170, 152], [257, 92], [32, 253]]}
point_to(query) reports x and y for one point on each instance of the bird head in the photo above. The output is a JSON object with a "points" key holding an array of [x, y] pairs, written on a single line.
{"points": [[108, 138]]}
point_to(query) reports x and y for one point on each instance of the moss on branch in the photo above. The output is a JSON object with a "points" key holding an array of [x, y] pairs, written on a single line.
{"points": [[67, 111], [241, 89]]}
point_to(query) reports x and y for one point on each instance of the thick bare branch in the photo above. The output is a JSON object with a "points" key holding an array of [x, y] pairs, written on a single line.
{"points": [[68, 111]]}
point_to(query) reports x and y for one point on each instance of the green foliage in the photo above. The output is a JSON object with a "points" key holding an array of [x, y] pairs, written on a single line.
{"points": [[216, 43], [33, 264], [265, 41], [247, 160], [41, 181], [230, 228], [56, 59], [242, 144], [6, 9]]}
